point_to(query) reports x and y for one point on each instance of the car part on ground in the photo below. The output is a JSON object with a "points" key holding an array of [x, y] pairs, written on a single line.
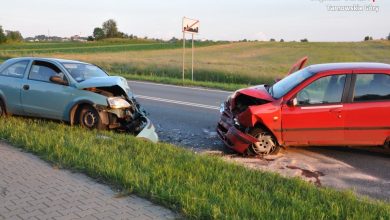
{"points": [[72, 91], [341, 104]]}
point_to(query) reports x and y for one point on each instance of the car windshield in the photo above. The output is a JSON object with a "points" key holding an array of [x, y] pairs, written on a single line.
{"points": [[83, 71], [285, 85]]}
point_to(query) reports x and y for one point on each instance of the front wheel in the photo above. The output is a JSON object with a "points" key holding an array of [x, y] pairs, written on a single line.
{"points": [[89, 118], [266, 144]]}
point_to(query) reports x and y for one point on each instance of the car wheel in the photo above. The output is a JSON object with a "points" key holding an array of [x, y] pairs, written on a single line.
{"points": [[2, 108], [266, 144], [89, 118]]}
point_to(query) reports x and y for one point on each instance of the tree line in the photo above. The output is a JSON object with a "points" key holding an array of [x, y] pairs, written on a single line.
{"points": [[10, 36], [109, 29]]}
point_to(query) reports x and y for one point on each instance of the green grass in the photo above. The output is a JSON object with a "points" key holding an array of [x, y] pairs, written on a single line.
{"points": [[197, 186]]}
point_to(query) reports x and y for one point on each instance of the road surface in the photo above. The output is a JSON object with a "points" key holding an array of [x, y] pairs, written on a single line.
{"points": [[188, 117]]}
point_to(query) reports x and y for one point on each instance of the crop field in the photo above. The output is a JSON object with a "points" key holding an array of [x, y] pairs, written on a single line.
{"points": [[241, 64]]}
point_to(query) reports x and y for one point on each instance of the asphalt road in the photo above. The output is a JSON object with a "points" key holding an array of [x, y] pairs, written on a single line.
{"points": [[181, 115], [188, 117]]}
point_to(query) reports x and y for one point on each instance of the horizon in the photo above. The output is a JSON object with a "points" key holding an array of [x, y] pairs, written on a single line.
{"points": [[291, 21]]}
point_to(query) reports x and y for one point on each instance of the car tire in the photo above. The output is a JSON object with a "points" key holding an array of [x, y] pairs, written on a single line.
{"points": [[89, 118], [267, 143], [2, 108]]}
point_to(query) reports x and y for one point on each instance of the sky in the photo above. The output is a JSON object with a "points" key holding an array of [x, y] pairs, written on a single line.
{"points": [[315, 20]]}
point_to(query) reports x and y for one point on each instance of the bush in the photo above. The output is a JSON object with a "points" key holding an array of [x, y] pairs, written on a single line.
{"points": [[3, 38]]}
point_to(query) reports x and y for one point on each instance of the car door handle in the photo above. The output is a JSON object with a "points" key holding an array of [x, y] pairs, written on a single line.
{"points": [[26, 87], [336, 110]]}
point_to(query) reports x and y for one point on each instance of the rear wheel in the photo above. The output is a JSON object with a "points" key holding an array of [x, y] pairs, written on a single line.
{"points": [[2, 108], [89, 118], [266, 144]]}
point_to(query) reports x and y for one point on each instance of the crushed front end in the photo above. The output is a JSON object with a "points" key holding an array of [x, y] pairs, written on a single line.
{"points": [[238, 117], [132, 119], [123, 113]]}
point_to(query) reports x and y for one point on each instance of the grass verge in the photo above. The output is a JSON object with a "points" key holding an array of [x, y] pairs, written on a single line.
{"points": [[180, 82], [197, 186]]}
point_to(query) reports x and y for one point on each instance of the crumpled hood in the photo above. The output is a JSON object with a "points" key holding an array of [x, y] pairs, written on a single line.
{"points": [[259, 92], [106, 82]]}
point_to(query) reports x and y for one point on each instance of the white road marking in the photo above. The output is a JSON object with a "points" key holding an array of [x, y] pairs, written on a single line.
{"points": [[185, 87], [178, 102]]}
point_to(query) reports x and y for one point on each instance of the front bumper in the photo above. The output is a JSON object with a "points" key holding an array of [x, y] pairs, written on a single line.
{"points": [[230, 135], [148, 132]]}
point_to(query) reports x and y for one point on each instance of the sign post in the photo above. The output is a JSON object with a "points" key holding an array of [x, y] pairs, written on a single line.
{"points": [[189, 26]]}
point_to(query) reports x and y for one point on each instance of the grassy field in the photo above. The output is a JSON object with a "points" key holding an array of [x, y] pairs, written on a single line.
{"points": [[104, 46], [236, 64], [196, 186]]}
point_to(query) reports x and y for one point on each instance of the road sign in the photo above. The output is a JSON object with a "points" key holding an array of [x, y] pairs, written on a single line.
{"points": [[190, 25]]}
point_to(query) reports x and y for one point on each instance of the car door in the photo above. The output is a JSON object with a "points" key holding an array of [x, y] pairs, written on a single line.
{"points": [[298, 65], [367, 115], [317, 117], [43, 98], [10, 83]]}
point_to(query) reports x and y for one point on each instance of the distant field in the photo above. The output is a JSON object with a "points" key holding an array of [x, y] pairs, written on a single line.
{"points": [[237, 63], [38, 48]]}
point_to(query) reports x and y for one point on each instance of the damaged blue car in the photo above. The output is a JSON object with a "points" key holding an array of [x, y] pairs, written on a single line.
{"points": [[71, 91]]}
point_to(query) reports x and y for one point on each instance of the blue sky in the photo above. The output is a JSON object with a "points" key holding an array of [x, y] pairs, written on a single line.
{"points": [[219, 20]]}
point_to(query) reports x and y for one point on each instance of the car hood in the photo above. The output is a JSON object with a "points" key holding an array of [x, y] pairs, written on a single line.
{"points": [[259, 92], [107, 81]]}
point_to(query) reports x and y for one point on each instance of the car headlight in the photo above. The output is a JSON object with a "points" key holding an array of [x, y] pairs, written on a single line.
{"points": [[116, 102]]}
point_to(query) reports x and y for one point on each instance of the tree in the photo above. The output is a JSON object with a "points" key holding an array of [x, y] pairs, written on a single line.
{"points": [[3, 38], [281, 40], [367, 38], [388, 37], [15, 36], [98, 33], [110, 29], [304, 40], [272, 40], [90, 38]]}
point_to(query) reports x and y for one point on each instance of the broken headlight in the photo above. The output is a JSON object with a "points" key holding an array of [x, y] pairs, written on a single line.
{"points": [[116, 102]]}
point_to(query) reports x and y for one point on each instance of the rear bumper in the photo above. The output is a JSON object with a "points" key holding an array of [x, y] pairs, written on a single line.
{"points": [[231, 136]]}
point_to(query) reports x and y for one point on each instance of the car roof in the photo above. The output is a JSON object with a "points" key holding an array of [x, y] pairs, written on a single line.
{"points": [[346, 66], [47, 59]]}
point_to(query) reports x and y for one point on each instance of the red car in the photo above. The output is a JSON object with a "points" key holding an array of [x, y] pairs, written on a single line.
{"points": [[343, 104]]}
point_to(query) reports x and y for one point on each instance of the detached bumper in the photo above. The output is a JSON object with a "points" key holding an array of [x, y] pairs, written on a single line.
{"points": [[149, 132], [231, 136]]}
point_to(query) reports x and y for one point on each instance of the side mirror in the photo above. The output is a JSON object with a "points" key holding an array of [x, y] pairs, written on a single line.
{"points": [[292, 102], [58, 80]]}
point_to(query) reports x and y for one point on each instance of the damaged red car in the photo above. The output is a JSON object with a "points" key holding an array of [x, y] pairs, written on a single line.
{"points": [[336, 104]]}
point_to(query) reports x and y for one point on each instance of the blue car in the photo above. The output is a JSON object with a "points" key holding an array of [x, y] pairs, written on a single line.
{"points": [[71, 91]]}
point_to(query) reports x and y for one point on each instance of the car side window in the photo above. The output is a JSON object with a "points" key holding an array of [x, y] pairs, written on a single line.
{"points": [[16, 70], [328, 89], [42, 71], [371, 87]]}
